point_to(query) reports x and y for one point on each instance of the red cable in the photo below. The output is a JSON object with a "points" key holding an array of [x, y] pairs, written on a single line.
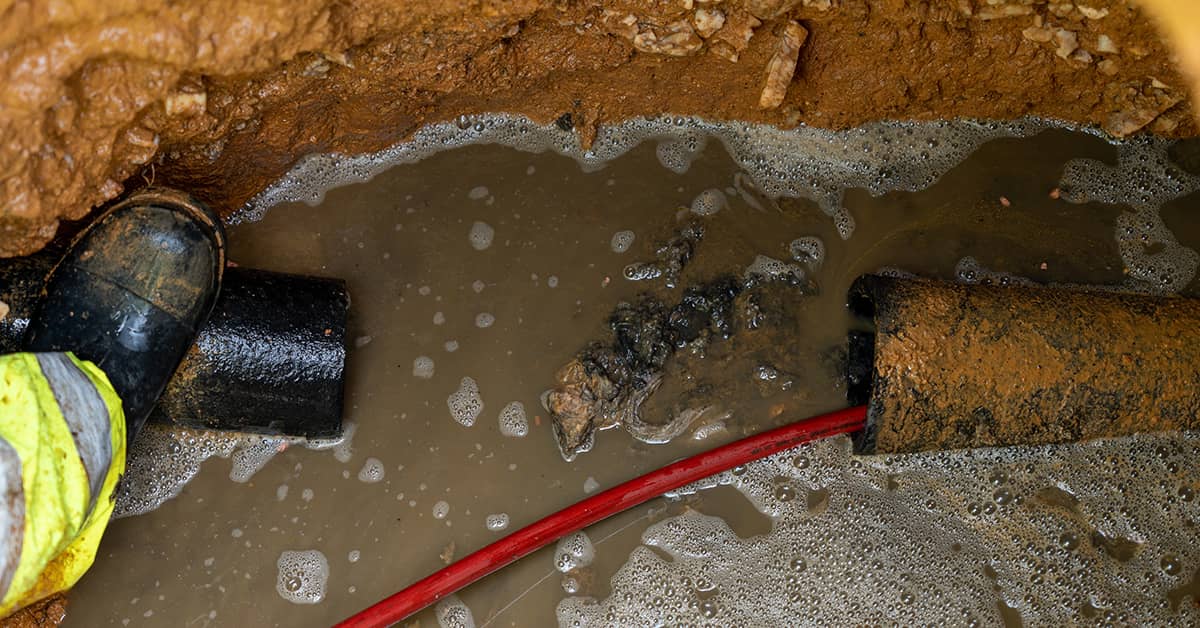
{"points": [[601, 506]]}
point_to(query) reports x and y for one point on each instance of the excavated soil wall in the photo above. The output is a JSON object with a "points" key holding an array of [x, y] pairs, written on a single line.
{"points": [[221, 97]]}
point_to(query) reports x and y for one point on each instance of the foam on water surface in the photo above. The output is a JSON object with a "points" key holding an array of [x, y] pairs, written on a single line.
{"points": [[452, 613], [302, 576], [513, 421], [621, 241], [804, 162], [465, 403], [574, 551], [1058, 533]]}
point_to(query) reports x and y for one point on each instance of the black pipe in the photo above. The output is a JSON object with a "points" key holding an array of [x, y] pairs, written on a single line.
{"points": [[270, 360]]}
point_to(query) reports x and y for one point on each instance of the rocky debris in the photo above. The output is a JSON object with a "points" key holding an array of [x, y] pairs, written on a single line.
{"points": [[782, 65], [1083, 44], [606, 384], [1092, 13], [1146, 102], [186, 102], [732, 39], [3, 310], [670, 258], [677, 39], [994, 12], [708, 21], [1105, 44], [771, 9], [1065, 43], [1039, 34]]}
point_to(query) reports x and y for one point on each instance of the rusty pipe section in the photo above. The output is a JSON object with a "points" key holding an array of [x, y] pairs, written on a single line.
{"points": [[951, 366]]}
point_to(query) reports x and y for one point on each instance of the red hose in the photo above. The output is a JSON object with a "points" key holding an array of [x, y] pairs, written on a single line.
{"points": [[601, 506]]}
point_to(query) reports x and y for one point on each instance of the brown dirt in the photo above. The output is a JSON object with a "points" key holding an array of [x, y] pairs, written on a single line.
{"points": [[47, 612], [960, 366], [220, 98]]}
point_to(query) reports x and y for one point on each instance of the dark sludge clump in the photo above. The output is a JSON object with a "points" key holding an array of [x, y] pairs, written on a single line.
{"points": [[670, 258], [608, 381]]}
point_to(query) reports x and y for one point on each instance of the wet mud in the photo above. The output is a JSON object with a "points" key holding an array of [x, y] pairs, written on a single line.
{"points": [[415, 488]]}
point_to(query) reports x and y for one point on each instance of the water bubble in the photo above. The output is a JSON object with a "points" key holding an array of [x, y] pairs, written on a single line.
{"points": [[513, 422], [423, 367], [465, 404], [1171, 565], [621, 241], [481, 235], [302, 576], [709, 202], [372, 471], [496, 522]]}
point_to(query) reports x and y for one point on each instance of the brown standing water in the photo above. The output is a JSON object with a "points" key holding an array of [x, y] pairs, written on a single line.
{"points": [[549, 279]]}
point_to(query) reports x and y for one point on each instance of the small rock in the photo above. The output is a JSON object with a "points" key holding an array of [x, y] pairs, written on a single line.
{"points": [[782, 65], [3, 310], [679, 39], [185, 103], [1003, 11], [1108, 67], [1060, 9], [1040, 34], [620, 25], [708, 21], [1144, 106], [1092, 13], [729, 42], [1066, 42], [1105, 44]]}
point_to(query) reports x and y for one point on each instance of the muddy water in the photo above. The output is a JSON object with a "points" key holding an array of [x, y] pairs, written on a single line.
{"points": [[549, 279]]}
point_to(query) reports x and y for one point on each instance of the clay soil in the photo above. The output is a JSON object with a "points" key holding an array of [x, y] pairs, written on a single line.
{"points": [[220, 98]]}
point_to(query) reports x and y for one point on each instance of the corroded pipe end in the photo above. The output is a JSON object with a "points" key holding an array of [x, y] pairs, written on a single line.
{"points": [[952, 366]]}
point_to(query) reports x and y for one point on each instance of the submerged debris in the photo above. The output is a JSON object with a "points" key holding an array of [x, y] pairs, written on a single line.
{"points": [[608, 382], [670, 258]]}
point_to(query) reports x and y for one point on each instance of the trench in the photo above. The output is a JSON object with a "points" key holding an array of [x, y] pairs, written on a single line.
{"points": [[509, 315]]}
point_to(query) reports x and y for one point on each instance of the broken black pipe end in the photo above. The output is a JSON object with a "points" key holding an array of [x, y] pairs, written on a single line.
{"points": [[860, 360], [270, 360]]}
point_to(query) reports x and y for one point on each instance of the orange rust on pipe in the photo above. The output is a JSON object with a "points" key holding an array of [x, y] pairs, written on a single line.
{"points": [[953, 366]]}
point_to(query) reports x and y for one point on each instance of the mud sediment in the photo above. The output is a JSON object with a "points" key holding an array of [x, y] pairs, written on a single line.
{"points": [[221, 99]]}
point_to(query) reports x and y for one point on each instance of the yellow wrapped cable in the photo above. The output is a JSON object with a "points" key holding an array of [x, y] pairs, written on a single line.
{"points": [[62, 450]]}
